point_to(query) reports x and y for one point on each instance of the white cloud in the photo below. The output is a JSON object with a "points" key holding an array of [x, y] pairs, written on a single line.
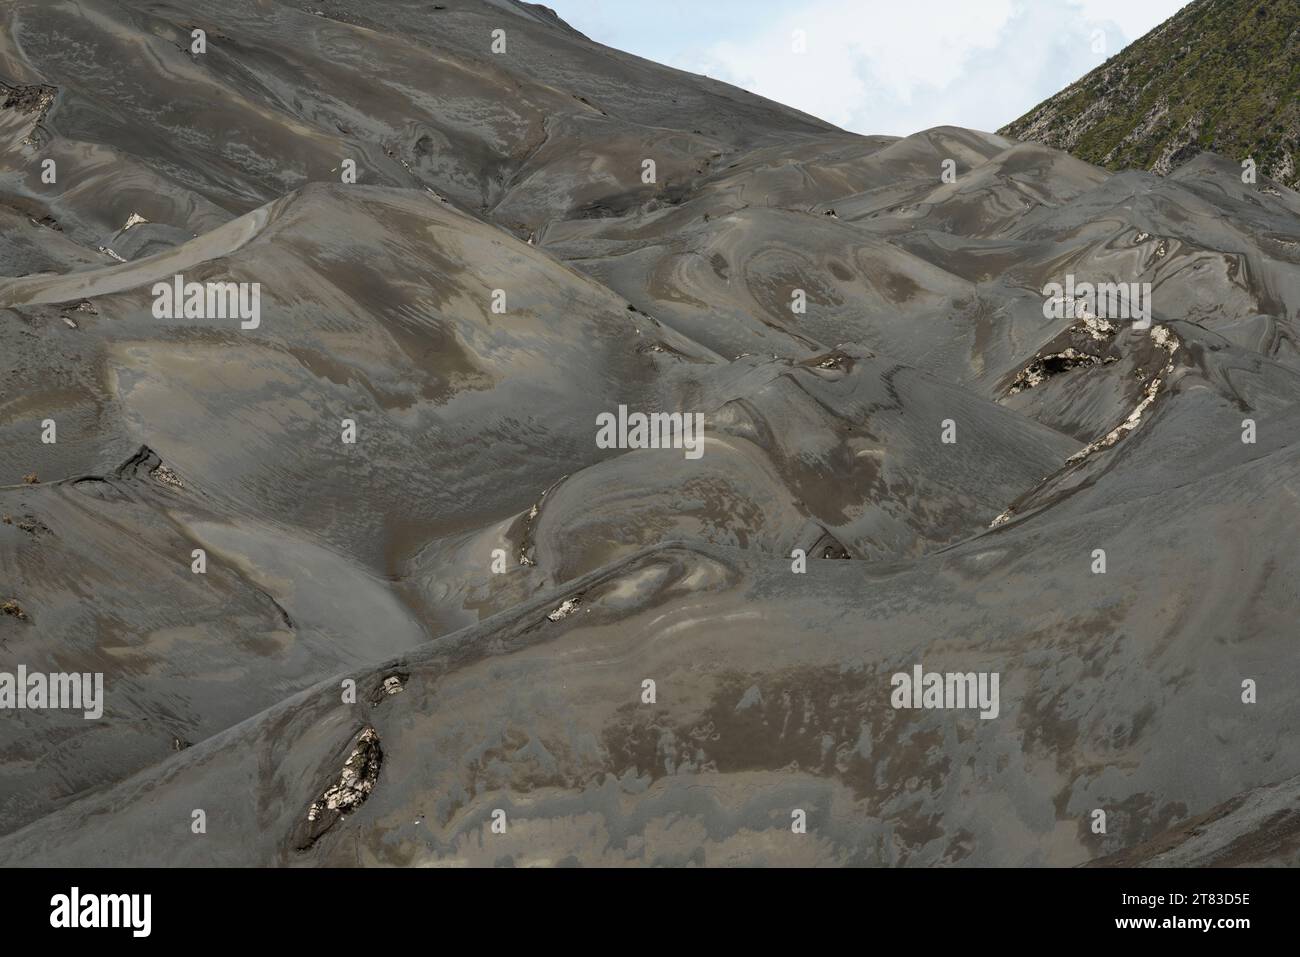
{"points": [[887, 67]]}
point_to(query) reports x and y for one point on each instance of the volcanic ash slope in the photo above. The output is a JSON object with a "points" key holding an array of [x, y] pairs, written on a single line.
{"points": [[501, 589]]}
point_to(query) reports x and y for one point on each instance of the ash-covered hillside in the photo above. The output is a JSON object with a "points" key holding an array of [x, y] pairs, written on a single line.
{"points": [[453, 441]]}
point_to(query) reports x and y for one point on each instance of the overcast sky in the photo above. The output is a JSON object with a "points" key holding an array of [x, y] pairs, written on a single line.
{"points": [[879, 67]]}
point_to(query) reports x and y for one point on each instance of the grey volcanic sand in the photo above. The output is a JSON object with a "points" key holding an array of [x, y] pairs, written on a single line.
{"points": [[522, 691]]}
